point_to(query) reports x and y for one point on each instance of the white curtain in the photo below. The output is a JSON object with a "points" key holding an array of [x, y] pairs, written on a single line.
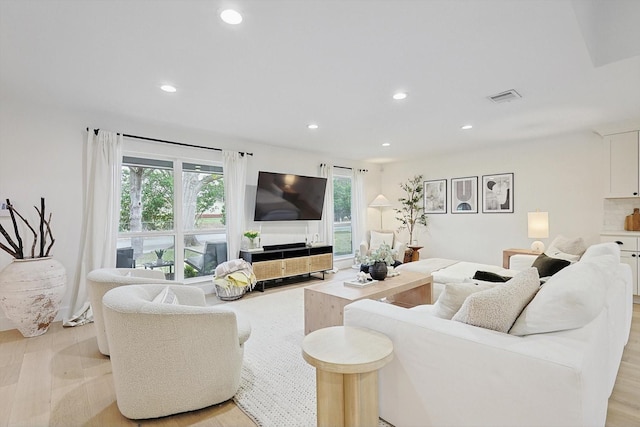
{"points": [[235, 180], [326, 225], [99, 233], [358, 207]]}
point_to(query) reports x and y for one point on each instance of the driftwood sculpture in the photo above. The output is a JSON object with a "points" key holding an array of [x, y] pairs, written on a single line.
{"points": [[16, 248]]}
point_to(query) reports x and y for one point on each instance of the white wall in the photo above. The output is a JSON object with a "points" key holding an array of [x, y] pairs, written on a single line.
{"points": [[561, 175], [41, 154]]}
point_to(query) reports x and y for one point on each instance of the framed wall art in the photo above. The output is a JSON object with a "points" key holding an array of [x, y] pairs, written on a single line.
{"points": [[435, 196], [464, 195], [497, 193]]}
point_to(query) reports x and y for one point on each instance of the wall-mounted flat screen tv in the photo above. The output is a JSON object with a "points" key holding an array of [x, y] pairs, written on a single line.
{"points": [[287, 197]]}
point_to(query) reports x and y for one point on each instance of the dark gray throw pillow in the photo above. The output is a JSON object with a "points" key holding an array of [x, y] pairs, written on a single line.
{"points": [[548, 266], [488, 276]]}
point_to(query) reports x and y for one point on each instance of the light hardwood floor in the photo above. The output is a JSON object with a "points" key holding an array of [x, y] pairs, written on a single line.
{"points": [[61, 379]]}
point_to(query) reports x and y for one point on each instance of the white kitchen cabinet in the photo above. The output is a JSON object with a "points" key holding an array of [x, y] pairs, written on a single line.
{"points": [[622, 159], [629, 252]]}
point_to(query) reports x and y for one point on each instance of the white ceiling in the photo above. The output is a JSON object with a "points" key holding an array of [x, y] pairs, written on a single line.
{"points": [[336, 63]]}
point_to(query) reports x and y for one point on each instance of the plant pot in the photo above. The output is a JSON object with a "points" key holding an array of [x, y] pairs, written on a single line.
{"points": [[378, 271], [31, 291]]}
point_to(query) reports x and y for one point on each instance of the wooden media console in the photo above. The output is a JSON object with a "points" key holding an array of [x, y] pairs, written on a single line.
{"points": [[281, 261]]}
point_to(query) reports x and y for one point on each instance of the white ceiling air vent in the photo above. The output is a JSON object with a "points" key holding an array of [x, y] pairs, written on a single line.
{"points": [[506, 96]]}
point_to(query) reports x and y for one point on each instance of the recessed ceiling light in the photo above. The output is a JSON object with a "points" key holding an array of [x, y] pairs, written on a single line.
{"points": [[466, 127], [386, 144], [168, 88], [231, 17], [312, 126], [399, 95]]}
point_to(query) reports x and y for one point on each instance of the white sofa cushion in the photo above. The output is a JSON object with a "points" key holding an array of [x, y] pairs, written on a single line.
{"points": [[453, 296], [497, 308], [570, 299], [378, 239]]}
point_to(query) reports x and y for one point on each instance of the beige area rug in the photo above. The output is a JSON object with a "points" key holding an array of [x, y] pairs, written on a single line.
{"points": [[277, 387]]}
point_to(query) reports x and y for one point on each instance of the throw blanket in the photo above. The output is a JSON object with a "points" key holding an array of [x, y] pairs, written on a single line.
{"points": [[236, 272]]}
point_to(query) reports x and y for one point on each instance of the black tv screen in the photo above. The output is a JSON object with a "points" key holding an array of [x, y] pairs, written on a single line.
{"points": [[287, 197]]}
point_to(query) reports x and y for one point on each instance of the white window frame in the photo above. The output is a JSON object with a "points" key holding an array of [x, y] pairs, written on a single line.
{"points": [[177, 232]]}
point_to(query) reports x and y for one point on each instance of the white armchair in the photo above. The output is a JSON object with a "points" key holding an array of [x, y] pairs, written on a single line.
{"points": [[374, 238], [168, 358], [104, 279]]}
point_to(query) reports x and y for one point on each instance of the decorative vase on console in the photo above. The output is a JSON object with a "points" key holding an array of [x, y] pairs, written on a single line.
{"points": [[31, 287], [251, 235]]}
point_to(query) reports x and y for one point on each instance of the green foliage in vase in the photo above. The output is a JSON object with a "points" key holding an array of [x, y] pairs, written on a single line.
{"points": [[384, 253]]}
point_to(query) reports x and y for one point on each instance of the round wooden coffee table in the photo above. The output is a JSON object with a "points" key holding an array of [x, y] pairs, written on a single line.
{"points": [[347, 360]]}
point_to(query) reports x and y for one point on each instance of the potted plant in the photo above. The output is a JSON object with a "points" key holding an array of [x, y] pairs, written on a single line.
{"points": [[378, 261], [32, 286], [412, 212], [251, 235], [159, 254]]}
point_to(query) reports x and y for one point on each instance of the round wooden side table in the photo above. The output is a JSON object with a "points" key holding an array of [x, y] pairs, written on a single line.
{"points": [[347, 360]]}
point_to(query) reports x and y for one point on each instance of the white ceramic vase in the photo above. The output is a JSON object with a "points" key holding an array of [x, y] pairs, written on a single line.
{"points": [[31, 291]]}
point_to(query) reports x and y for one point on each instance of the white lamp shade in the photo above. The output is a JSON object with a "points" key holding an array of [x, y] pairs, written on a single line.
{"points": [[380, 202], [538, 225]]}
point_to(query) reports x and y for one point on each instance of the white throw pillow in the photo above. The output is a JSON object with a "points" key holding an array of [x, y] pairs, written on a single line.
{"points": [[570, 299], [453, 296], [166, 296], [574, 246], [609, 248], [498, 308], [557, 253], [378, 238]]}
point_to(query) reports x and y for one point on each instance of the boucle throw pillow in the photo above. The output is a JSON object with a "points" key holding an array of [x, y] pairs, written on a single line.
{"points": [[548, 266], [453, 296], [167, 296], [569, 300], [574, 246], [499, 307], [378, 239]]}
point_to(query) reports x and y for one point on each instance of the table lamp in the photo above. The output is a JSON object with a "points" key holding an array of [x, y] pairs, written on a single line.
{"points": [[538, 228]]}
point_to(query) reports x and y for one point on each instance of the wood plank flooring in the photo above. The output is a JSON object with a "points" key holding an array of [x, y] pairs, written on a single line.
{"points": [[61, 379]]}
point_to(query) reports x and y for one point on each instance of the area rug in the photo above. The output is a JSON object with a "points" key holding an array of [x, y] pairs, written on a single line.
{"points": [[277, 386]]}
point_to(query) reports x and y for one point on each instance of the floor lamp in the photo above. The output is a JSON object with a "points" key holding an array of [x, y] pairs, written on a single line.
{"points": [[380, 202]]}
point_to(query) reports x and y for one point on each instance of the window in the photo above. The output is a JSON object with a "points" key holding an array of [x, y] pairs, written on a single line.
{"points": [[161, 228], [342, 233]]}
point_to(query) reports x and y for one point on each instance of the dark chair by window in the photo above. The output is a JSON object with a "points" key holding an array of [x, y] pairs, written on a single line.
{"points": [[206, 263], [124, 258]]}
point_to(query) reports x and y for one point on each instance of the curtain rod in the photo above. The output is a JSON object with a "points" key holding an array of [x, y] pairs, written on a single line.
{"points": [[182, 144], [346, 167]]}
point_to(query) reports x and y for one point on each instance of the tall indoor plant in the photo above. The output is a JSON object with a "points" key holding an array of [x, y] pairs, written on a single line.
{"points": [[412, 212], [32, 286]]}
